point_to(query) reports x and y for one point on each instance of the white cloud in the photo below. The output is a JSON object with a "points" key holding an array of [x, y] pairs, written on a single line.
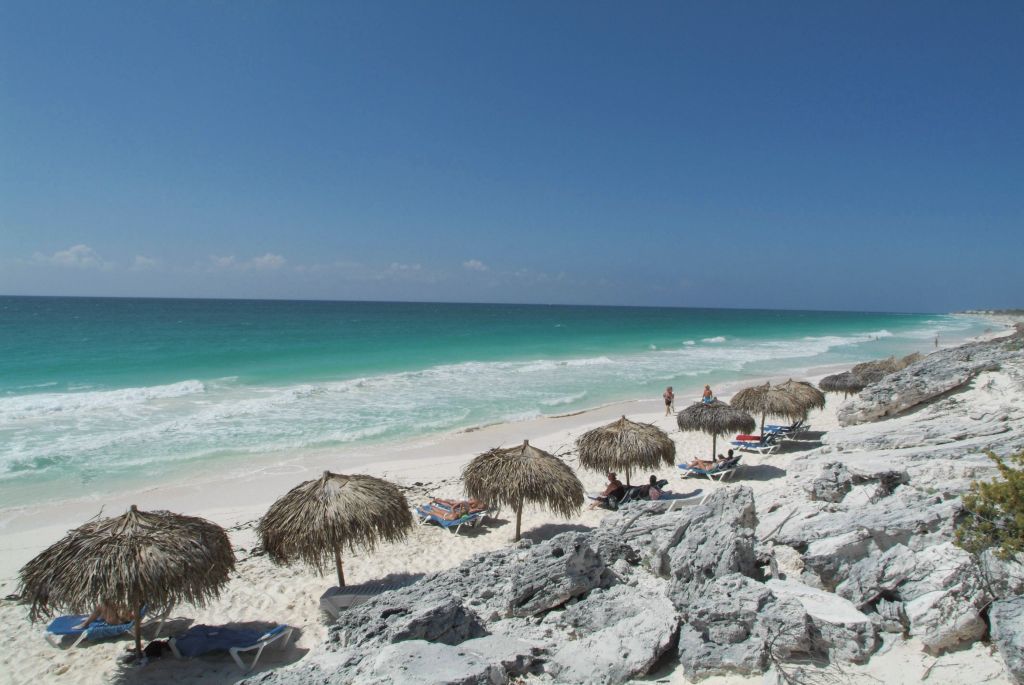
{"points": [[143, 263], [77, 256], [266, 262], [398, 267], [474, 265]]}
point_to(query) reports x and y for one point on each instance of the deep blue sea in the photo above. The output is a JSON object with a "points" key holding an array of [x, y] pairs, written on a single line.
{"points": [[93, 390]]}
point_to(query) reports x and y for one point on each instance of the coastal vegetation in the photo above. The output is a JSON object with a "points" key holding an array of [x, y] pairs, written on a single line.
{"points": [[995, 511]]}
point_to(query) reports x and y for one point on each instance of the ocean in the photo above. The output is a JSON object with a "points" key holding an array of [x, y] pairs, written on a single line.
{"points": [[97, 393]]}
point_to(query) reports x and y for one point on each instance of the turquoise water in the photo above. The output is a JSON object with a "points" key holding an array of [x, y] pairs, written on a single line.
{"points": [[93, 390]]}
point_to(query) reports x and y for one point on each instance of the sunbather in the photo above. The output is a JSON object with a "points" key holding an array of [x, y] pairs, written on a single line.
{"points": [[708, 397], [109, 613], [702, 464], [613, 491]]}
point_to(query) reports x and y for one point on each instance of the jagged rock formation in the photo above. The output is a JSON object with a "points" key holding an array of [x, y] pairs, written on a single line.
{"points": [[935, 375], [855, 542]]}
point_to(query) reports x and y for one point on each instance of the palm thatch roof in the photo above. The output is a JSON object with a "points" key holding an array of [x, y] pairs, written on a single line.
{"points": [[624, 445], [791, 400], [807, 393], [874, 371], [847, 383], [151, 558], [714, 418], [316, 519], [515, 475], [911, 358]]}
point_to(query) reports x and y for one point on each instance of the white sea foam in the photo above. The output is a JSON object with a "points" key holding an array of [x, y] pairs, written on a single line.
{"points": [[100, 432], [716, 339], [564, 399], [44, 404]]}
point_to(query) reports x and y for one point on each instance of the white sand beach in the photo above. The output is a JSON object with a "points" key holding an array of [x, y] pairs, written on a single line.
{"points": [[263, 593]]}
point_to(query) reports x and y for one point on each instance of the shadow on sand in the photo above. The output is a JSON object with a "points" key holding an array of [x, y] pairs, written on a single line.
{"points": [[760, 472], [216, 667], [550, 530]]}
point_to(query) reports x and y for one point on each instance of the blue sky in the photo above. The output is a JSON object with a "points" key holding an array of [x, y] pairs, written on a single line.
{"points": [[815, 155]]}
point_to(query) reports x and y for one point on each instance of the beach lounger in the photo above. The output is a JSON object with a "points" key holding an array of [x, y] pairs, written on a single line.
{"points": [[65, 626], [786, 432], [451, 516], [203, 639], [720, 471], [337, 599], [767, 445]]}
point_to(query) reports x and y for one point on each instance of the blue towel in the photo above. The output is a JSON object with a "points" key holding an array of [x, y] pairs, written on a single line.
{"points": [[97, 630], [201, 639]]}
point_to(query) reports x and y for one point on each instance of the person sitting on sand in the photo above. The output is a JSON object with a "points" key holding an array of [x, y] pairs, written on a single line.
{"points": [[708, 397], [650, 490], [614, 490], [670, 400], [109, 613]]}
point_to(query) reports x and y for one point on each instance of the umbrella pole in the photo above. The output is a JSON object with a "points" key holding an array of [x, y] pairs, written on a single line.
{"points": [[337, 562], [714, 442], [519, 519], [762, 425], [627, 476], [138, 632]]}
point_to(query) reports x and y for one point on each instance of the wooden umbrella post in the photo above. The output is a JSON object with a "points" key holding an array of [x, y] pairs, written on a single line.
{"points": [[519, 519], [337, 563], [138, 632], [762, 425], [714, 444]]}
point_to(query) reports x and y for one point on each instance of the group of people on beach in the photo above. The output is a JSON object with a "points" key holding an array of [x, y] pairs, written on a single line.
{"points": [[615, 491], [670, 398]]}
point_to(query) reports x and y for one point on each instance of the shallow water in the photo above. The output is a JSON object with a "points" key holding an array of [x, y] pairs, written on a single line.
{"points": [[108, 391]]}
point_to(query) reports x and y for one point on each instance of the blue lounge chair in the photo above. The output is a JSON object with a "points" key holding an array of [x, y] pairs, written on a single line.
{"points": [[766, 445], [720, 471], [787, 432], [67, 626], [203, 639], [424, 514]]}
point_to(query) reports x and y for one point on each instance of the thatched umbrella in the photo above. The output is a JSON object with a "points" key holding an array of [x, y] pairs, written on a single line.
{"points": [[806, 393], [151, 558], [516, 475], [872, 372], [624, 445], [715, 418], [911, 358], [847, 383], [791, 400], [316, 519]]}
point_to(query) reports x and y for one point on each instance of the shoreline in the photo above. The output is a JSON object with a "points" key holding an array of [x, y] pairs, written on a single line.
{"points": [[232, 493], [261, 591]]}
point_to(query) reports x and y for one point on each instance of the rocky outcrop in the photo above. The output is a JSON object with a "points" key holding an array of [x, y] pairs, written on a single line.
{"points": [[937, 374], [588, 607], [1007, 617], [855, 542]]}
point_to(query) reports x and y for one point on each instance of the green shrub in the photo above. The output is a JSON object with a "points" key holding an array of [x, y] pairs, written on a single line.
{"points": [[995, 511]]}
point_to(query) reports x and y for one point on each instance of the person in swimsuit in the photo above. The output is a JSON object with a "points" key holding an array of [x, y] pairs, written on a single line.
{"points": [[670, 400], [109, 614], [614, 489], [708, 397]]}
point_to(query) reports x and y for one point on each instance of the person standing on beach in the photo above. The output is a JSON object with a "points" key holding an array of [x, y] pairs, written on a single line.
{"points": [[670, 400]]}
